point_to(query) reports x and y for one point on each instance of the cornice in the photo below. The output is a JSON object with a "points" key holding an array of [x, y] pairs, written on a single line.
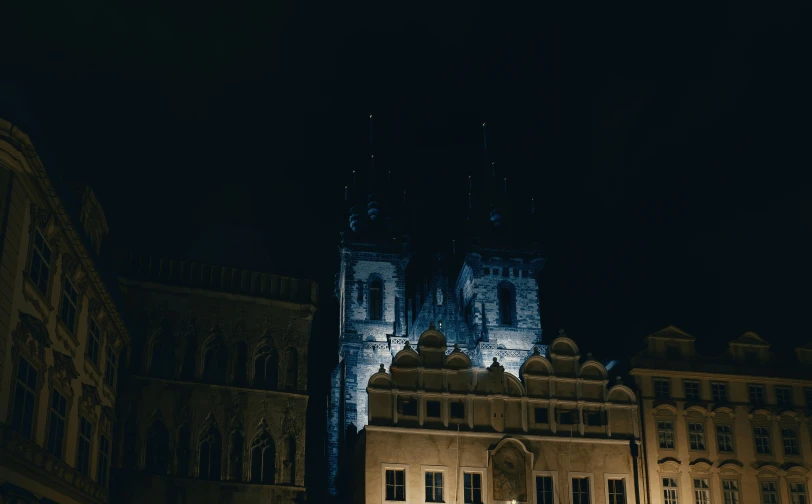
{"points": [[498, 435]]}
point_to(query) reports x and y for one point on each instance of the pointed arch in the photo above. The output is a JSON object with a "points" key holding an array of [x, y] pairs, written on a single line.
{"points": [[240, 364], [183, 451], [266, 368], [263, 458], [375, 298], [210, 446], [156, 447], [215, 360], [292, 369], [235, 451], [506, 295]]}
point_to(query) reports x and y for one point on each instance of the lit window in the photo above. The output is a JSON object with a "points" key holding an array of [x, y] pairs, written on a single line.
{"points": [[56, 426], [70, 299], [696, 434], [691, 390], [617, 491], [434, 486], [83, 447], [665, 434], [756, 394], [769, 492], [580, 490], [662, 388], [719, 392], [790, 439], [724, 438], [396, 484], [544, 490], [701, 491], [25, 398], [762, 436], [783, 396], [670, 495], [730, 491], [472, 488], [41, 263]]}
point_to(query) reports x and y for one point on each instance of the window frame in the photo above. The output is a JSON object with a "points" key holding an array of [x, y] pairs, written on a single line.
{"points": [[751, 387], [698, 384], [110, 382], [777, 484], [91, 323], [103, 463], [769, 440], [433, 469], [692, 421], [66, 420], [795, 437], [589, 476], [725, 386], [673, 430], [732, 436], [708, 479], [783, 388], [395, 467], [483, 474], [556, 482], [36, 392], [616, 476], [90, 438], [654, 383], [381, 306], [676, 478], [35, 229], [63, 297], [794, 480], [737, 481]]}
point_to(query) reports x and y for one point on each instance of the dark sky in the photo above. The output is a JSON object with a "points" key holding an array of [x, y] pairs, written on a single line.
{"points": [[666, 145]]}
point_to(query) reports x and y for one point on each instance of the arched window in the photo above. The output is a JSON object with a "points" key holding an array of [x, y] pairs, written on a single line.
{"points": [[184, 443], [210, 449], [215, 361], [266, 369], [240, 364], [507, 304], [375, 299], [162, 364], [263, 455], [156, 448], [291, 460], [292, 369], [235, 456]]}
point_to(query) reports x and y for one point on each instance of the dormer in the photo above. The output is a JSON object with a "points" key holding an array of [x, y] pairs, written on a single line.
{"points": [[671, 343], [804, 354], [750, 348]]}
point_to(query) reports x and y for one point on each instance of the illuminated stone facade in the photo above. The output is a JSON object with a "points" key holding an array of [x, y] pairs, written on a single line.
{"points": [[215, 404], [442, 429], [730, 429], [61, 334]]}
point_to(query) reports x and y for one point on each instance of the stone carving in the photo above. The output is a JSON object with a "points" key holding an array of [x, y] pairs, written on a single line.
{"points": [[32, 333], [108, 419], [90, 399], [70, 265], [509, 473], [93, 220], [93, 306], [289, 422], [63, 369]]}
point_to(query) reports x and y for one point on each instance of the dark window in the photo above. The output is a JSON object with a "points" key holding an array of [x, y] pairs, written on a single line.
{"points": [[672, 351], [434, 486], [104, 461], [210, 446], [395, 485], [240, 364], [457, 410], [184, 449], [691, 390], [568, 417], [580, 491], [469, 312], [783, 396], [189, 357], [617, 491], [486, 271], [665, 434], [22, 415], [696, 436], [56, 426], [292, 369], [235, 456], [266, 369], [93, 341], [156, 449], [163, 358], [593, 418], [662, 388], [407, 407], [375, 300], [110, 370], [433, 409], [263, 456], [756, 394], [790, 439], [41, 263], [515, 272], [70, 299], [719, 392], [472, 488], [724, 438], [215, 362], [762, 435], [544, 490], [505, 305], [542, 415], [83, 447], [751, 357]]}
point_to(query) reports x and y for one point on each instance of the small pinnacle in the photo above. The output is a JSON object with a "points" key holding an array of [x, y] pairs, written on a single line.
{"points": [[382, 369]]}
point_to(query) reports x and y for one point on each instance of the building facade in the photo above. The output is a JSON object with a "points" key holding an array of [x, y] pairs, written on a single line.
{"points": [[442, 429], [215, 403], [726, 430], [61, 335]]}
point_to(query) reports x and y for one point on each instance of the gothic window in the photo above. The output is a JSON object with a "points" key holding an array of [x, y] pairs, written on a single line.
{"points": [[266, 369], [163, 357], [291, 459], [375, 299], [292, 369], [235, 456], [263, 456], [156, 448], [215, 362], [25, 398], [70, 300], [189, 356], [210, 450], [184, 435], [507, 303], [240, 364]]}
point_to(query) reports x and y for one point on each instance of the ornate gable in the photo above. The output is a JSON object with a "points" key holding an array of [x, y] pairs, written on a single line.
{"points": [[93, 219]]}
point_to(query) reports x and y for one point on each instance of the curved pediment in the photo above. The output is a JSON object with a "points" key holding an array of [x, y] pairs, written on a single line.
{"points": [[665, 408], [723, 411], [620, 393], [513, 387], [536, 365], [380, 380], [789, 415], [593, 369], [562, 346], [769, 470], [760, 415], [730, 467], [406, 358], [701, 466], [458, 360], [431, 338], [696, 409], [669, 465]]}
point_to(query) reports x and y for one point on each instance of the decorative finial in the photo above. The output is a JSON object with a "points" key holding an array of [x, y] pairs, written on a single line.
{"points": [[589, 356], [495, 360], [431, 325], [382, 368], [536, 351], [561, 332], [617, 379], [407, 345], [456, 347], [469, 184]]}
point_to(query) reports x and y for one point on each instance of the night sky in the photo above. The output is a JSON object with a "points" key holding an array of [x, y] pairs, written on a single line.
{"points": [[666, 145]]}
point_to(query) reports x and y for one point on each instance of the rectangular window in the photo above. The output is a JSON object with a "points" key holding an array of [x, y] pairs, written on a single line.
{"points": [[70, 298], [568, 417], [724, 438], [580, 490], [769, 492], [730, 491], [93, 341], [396, 484], [25, 399], [670, 495], [433, 409], [701, 491], [83, 447], [544, 490], [808, 394], [797, 493], [472, 487], [56, 425], [662, 388], [665, 434], [790, 439], [457, 410], [762, 435], [110, 368], [617, 491], [407, 406], [104, 461], [593, 418], [434, 486], [756, 394], [691, 390], [696, 435], [41, 263], [719, 392], [542, 415], [783, 396]]}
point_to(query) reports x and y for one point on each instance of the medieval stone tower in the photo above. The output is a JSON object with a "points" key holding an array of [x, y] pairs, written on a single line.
{"points": [[484, 297]]}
